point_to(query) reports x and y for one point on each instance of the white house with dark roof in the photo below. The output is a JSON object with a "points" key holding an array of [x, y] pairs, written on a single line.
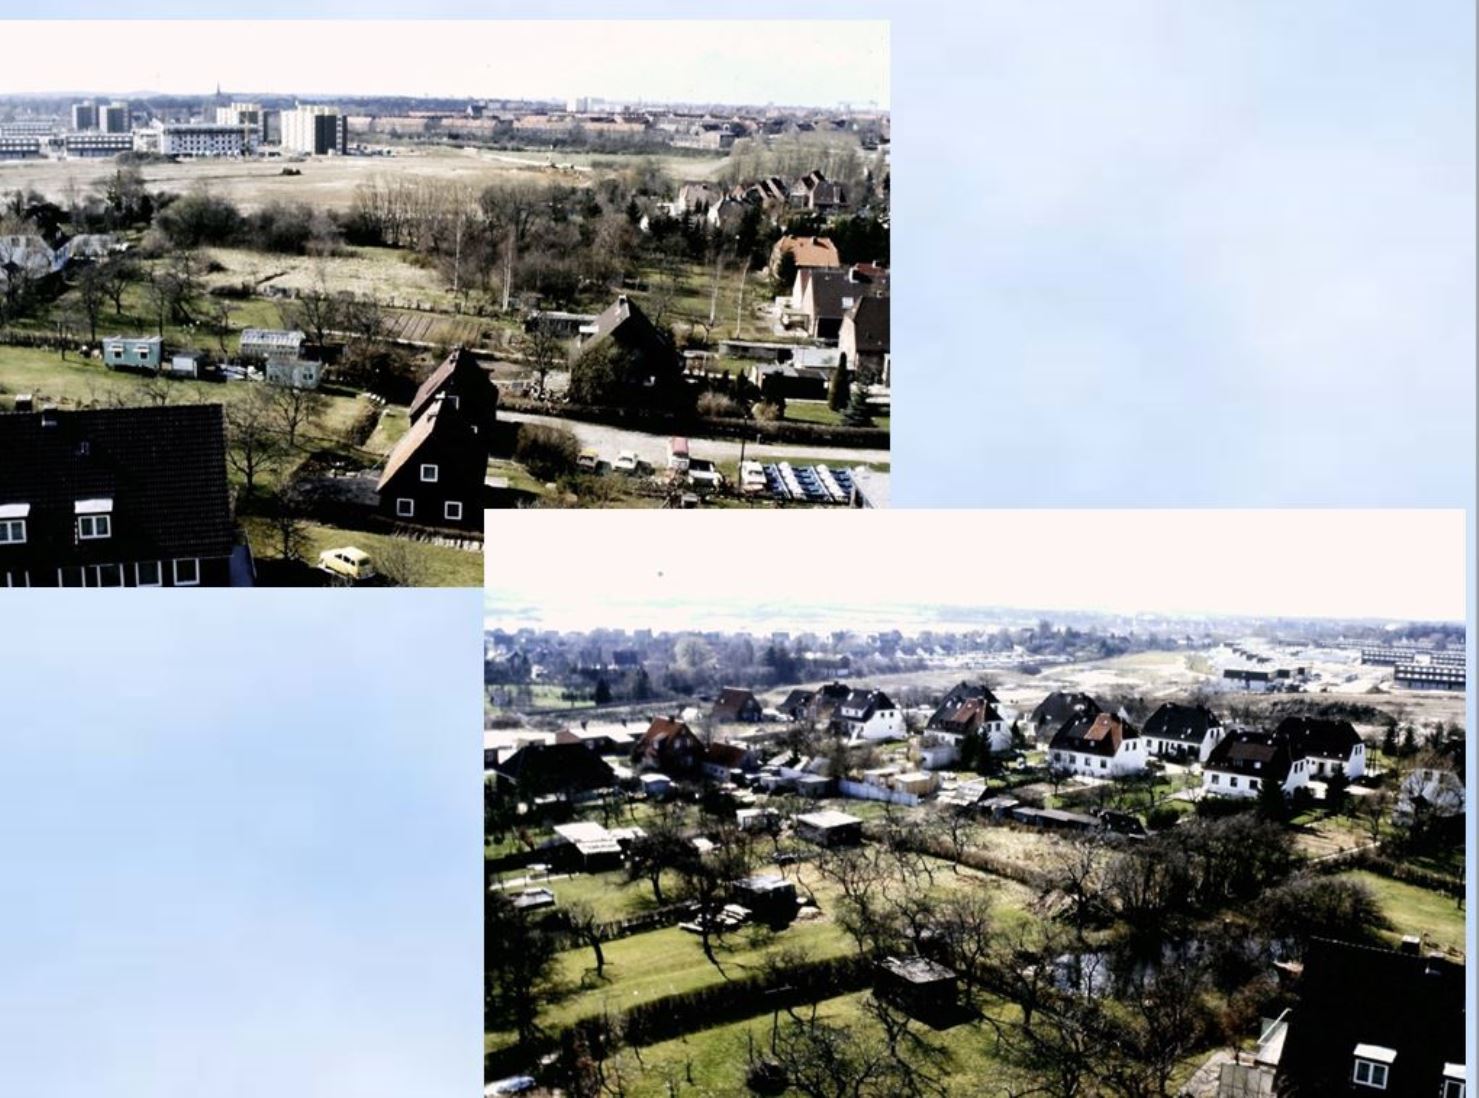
{"points": [[1244, 759], [869, 715], [1105, 746], [1182, 732]]}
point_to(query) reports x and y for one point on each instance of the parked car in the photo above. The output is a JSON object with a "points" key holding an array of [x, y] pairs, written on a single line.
{"points": [[514, 1084], [626, 462], [588, 460], [349, 562], [703, 474]]}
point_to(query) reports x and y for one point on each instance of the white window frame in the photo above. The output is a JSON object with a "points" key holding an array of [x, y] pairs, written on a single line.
{"points": [[1372, 1069], [9, 526], [405, 507], [175, 569], [435, 472], [1455, 1088], [139, 575], [96, 522], [23, 574], [97, 575], [447, 510]]}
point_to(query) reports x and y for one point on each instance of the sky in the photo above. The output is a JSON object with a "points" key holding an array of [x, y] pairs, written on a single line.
{"points": [[722, 62], [885, 569], [1171, 254], [239, 857]]}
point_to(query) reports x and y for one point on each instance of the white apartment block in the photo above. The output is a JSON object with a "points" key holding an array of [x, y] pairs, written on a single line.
{"points": [[196, 139], [316, 130]]}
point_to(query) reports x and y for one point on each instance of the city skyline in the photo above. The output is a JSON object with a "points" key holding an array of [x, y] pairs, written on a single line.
{"points": [[733, 63]]}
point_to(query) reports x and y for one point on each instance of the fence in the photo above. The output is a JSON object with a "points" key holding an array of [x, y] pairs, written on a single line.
{"points": [[865, 792]]}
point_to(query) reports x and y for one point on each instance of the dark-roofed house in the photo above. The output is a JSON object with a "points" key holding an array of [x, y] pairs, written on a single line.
{"points": [[863, 339], [115, 497], [462, 384], [797, 705], [669, 745], [736, 705], [918, 986], [824, 296], [1176, 731], [623, 356], [554, 769], [1057, 709], [1104, 747], [868, 715], [1244, 759], [1325, 745], [434, 476], [1373, 1021], [970, 710]]}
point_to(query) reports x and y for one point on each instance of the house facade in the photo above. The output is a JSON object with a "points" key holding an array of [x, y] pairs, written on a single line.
{"points": [[1182, 733], [1104, 747], [669, 745], [1325, 745], [1056, 710], [868, 715], [435, 474], [132, 352], [1244, 759], [736, 706], [115, 497], [970, 710]]}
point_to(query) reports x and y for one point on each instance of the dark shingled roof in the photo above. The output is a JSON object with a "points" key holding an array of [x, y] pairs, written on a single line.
{"points": [[555, 768], [164, 469], [459, 375], [1353, 995], [1183, 723], [1255, 754], [1326, 739], [1059, 707], [869, 318], [732, 702]]}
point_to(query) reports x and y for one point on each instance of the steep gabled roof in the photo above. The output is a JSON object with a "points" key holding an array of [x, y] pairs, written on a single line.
{"points": [[1060, 706], [1326, 739], [731, 701], [435, 422], [459, 368], [1251, 753]]}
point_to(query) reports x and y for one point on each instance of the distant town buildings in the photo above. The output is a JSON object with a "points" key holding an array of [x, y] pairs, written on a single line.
{"points": [[315, 130]]}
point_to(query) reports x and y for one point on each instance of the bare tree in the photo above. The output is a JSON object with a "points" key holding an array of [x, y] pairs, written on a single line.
{"points": [[297, 408], [254, 435]]}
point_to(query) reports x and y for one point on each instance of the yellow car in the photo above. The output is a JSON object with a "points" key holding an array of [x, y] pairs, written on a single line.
{"points": [[349, 562]]}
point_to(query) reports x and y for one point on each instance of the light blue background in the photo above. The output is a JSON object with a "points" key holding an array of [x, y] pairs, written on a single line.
{"points": [[239, 849]]}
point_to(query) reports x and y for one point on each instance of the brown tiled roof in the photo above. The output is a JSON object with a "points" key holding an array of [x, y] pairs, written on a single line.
{"points": [[810, 251], [1101, 736]]}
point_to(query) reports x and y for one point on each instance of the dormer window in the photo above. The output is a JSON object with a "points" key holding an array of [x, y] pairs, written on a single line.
{"points": [[94, 518], [13, 523], [1373, 1063], [428, 474]]}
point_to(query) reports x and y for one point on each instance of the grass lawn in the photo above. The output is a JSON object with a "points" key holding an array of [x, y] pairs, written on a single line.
{"points": [[443, 566], [1413, 910], [817, 411]]}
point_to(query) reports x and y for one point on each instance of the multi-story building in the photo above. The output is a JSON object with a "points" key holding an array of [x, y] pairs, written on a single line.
{"points": [[244, 114], [315, 130], [196, 139], [19, 147], [84, 116], [113, 118], [97, 144]]}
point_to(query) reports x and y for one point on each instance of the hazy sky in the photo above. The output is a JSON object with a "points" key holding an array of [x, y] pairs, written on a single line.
{"points": [[811, 63], [239, 857], [1186, 254], [718, 569]]}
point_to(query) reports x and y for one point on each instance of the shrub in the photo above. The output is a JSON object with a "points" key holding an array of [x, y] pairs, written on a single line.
{"points": [[711, 403], [766, 412], [1162, 817], [547, 452]]}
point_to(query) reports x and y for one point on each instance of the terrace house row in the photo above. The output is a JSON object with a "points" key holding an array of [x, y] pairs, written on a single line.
{"points": [[1299, 750]]}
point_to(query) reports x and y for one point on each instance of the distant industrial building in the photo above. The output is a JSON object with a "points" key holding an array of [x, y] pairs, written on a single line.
{"points": [[84, 116], [315, 130], [244, 114], [1429, 676], [97, 144], [17, 147]]}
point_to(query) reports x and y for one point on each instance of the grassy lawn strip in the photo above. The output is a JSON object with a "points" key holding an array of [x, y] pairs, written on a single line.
{"points": [[1413, 910], [445, 567]]}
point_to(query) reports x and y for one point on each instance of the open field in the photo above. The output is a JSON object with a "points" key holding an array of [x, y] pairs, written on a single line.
{"points": [[328, 182], [442, 566]]}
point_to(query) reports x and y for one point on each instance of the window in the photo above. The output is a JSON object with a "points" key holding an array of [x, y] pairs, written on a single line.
{"points": [[453, 510], [147, 573], [405, 508], [1369, 1074], [71, 577], [1216, 779], [429, 474], [1453, 1088], [107, 575], [451, 400], [90, 527], [187, 573], [18, 579], [12, 531]]}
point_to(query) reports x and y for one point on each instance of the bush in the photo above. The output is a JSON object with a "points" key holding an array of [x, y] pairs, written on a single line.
{"points": [[199, 219], [1162, 817], [711, 403], [547, 452], [766, 412], [766, 1077]]}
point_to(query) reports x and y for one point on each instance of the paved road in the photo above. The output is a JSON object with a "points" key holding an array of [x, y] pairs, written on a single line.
{"points": [[653, 449]]}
